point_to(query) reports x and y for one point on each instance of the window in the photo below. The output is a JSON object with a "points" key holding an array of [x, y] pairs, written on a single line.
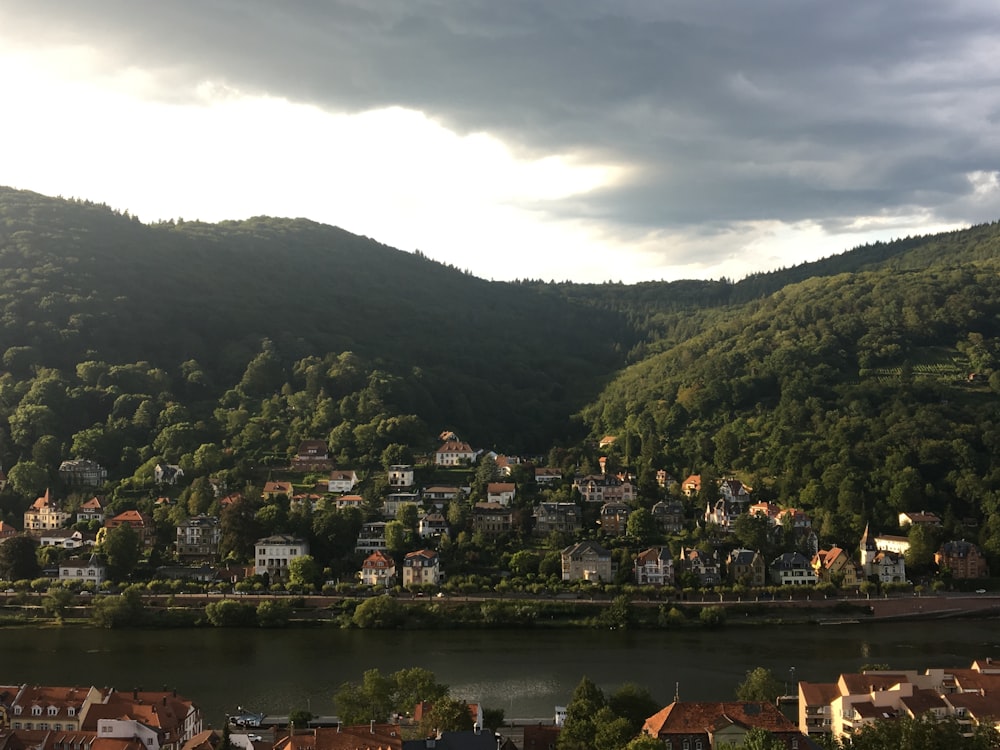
{"points": [[71, 711], [795, 743], [36, 710], [697, 745], [687, 744], [53, 710], [17, 710]]}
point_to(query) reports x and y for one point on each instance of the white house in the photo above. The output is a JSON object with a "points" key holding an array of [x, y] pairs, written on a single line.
{"points": [[501, 492], [400, 475], [342, 480], [91, 570], [274, 553]]}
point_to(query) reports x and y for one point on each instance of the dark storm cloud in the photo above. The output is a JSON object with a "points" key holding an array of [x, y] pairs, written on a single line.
{"points": [[723, 112]]}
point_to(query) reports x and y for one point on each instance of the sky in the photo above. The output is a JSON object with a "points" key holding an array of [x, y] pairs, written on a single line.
{"points": [[583, 140]]}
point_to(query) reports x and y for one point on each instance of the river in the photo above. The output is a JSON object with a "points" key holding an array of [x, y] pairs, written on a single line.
{"points": [[525, 672]]}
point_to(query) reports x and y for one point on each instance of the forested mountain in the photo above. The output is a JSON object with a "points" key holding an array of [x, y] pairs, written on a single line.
{"points": [[853, 387], [500, 363], [853, 396]]}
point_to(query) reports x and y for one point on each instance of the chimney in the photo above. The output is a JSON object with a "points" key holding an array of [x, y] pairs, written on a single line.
{"points": [[477, 729], [371, 726]]}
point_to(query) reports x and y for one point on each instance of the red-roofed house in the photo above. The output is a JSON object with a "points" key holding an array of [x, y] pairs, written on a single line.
{"points": [[140, 522], [44, 514], [705, 725], [378, 569], [454, 453]]}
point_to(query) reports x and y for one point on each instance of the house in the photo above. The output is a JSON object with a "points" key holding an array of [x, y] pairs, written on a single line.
{"points": [[665, 479], [440, 496], [606, 441], [82, 472], [492, 519], [746, 567], [273, 554], [165, 715], [397, 500], [613, 518], [691, 725], [702, 564], [692, 485], [501, 493], [371, 736], [37, 707], [44, 514], [506, 464], [83, 570], [603, 488], [198, 539], [654, 567], [421, 568], [432, 525], [141, 523], [342, 480], [378, 569], [586, 561], [548, 475], [540, 737], [883, 566], [733, 491], [962, 559], [65, 539], [792, 569], [921, 518], [273, 489], [855, 700], [721, 514], [892, 543], [312, 455], [669, 516], [835, 566], [349, 501], [371, 538], [454, 453], [167, 473], [92, 510], [400, 475], [562, 517], [7, 531]]}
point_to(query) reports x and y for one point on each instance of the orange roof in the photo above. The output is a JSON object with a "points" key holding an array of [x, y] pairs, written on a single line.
{"points": [[696, 717]]}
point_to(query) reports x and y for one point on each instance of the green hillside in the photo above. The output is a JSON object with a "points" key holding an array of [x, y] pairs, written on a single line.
{"points": [[500, 363]]}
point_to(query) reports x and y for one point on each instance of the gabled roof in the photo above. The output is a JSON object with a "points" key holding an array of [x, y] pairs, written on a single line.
{"points": [[427, 554], [455, 446], [683, 717], [653, 556]]}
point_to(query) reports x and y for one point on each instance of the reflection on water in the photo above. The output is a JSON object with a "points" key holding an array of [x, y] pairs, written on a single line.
{"points": [[526, 673]]}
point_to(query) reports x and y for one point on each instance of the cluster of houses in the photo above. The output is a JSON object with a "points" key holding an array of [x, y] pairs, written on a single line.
{"points": [[970, 696], [89, 718], [613, 496]]}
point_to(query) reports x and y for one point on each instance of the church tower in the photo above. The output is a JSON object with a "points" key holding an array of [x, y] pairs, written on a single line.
{"points": [[868, 551]]}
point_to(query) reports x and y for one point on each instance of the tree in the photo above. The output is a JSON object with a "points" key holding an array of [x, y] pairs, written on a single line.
{"points": [[372, 700], [611, 732], [118, 611], [634, 703], [56, 600], [28, 478], [395, 537], [304, 571], [408, 515], [922, 734], [273, 613], [645, 742], [524, 562], [447, 715], [121, 549], [414, 685], [760, 686], [17, 559], [229, 613], [579, 729], [378, 612], [641, 525]]}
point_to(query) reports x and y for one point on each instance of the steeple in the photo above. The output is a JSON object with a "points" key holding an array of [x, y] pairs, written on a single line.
{"points": [[868, 551]]}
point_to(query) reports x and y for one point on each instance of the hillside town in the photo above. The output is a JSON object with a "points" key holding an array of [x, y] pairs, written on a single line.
{"points": [[401, 533]]}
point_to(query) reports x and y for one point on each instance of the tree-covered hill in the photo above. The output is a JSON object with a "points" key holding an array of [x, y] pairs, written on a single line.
{"points": [[501, 363], [853, 396]]}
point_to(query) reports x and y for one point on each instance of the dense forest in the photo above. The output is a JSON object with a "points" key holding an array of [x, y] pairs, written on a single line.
{"points": [[853, 387]]}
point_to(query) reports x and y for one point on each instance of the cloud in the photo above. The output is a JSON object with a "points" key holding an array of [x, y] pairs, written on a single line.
{"points": [[684, 122]]}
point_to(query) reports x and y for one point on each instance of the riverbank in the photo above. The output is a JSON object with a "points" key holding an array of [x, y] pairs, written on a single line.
{"points": [[483, 612]]}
